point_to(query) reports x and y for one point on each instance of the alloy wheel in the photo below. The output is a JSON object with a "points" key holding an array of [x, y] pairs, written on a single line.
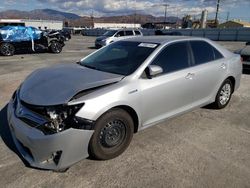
{"points": [[225, 94]]}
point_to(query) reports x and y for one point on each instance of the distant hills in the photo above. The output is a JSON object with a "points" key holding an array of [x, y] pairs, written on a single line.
{"points": [[76, 20], [38, 14]]}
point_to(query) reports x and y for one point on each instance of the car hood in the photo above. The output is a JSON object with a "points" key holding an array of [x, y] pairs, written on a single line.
{"points": [[58, 84], [101, 38]]}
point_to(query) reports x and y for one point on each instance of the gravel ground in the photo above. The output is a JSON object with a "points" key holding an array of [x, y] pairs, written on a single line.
{"points": [[203, 148]]}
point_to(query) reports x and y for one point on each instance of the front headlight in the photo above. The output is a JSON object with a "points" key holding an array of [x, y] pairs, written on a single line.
{"points": [[60, 118]]}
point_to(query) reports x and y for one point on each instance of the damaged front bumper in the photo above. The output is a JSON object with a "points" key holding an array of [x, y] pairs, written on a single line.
{"points": [[54, 152]]}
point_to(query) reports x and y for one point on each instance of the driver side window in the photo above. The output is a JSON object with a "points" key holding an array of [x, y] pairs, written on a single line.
{"points": [[173, 58], [120, 34]]}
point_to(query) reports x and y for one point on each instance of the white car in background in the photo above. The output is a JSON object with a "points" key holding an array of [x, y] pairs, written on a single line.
{"points": [[115, 35], [245, 55]]}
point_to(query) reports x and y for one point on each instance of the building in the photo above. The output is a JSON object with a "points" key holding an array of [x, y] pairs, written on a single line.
{"points": [[40, 24], [234, 24], [116, 25]]}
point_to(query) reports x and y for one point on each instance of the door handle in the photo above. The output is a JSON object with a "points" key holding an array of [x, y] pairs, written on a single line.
{"points": [[223, 66], [190, 76]]}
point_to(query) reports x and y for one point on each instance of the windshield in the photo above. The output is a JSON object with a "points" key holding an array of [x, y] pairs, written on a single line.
{"points": [[109, 33], [120, 58]]}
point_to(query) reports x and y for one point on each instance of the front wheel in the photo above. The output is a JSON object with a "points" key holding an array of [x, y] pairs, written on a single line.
{"points": [[55, 47], [224, 94], [7, 49], [113, 134]]}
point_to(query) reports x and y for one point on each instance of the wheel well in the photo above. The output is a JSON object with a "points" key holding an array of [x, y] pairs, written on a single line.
{"points": [[232, 79], [132, 113]]}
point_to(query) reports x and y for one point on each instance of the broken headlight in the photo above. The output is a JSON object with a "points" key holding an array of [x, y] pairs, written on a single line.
{"points": [[60, 118]]}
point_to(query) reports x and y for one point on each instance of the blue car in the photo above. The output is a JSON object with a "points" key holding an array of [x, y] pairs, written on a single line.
{"points": [[20, 38]]}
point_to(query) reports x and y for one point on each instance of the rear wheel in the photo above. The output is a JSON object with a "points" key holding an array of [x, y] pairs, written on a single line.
{"points": [[224, 94], [55, 47], [7, 49], [113, 134]]}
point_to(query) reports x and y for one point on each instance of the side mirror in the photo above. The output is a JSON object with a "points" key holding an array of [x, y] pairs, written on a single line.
{"points": [[154, 70], [117, 35]]}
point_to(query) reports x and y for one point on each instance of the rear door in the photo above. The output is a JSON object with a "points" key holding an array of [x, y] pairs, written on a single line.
{"points": [[208, 71], [171, 92], [137, 33]]}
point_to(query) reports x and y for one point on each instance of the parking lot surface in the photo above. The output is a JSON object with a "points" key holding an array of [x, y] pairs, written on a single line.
{"points": [[203, 148]]}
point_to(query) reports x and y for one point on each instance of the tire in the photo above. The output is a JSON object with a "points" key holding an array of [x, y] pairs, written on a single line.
{"points": [[7, 49], [61, 170], [55, 47], [224, 95], [113, 134]]}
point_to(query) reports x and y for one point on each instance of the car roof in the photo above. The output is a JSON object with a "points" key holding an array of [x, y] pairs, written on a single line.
{"points": [[162, 39], [123, 29]]}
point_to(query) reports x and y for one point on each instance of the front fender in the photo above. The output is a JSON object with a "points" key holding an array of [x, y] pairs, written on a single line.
{"points": [[93, 110], [95, 107]]}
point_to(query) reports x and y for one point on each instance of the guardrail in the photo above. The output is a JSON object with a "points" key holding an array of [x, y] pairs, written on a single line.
{"points": [[236, 34]]}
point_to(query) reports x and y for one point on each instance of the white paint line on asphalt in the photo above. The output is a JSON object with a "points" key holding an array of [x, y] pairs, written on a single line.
{"points": [[245, 130]]}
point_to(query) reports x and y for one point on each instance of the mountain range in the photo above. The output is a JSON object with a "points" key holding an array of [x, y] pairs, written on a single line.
{"points": [[38, 14], [76, 20]]}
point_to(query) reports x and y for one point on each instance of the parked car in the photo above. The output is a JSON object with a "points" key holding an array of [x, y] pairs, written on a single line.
{"points": [[115, 35], [62, 114], [57, 34], [61, 34], [20, 38], [66, 34], [171, 33], [245, 55]]}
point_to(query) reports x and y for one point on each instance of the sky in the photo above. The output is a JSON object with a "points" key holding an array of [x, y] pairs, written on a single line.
{"points": [[235, 9]]}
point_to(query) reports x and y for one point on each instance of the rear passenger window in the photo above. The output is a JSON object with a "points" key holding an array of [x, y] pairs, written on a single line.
{"points": [[137, 33], [127, 33], [202, 51], [173, 58]]}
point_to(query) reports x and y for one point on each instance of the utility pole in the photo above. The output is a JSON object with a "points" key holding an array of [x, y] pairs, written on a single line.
{"points": [[92, 19], [217, 11], [135, 14], [228, 14], [165, 14]]}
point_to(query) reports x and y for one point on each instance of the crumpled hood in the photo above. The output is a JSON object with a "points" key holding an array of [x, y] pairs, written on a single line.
{"points": [[58, 84]]}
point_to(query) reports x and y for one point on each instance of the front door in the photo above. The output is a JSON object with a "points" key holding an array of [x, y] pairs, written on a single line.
{"points": [[171, 92]]}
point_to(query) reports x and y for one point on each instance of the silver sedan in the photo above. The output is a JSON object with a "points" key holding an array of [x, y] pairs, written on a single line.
{"points": [[62, 114]]}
